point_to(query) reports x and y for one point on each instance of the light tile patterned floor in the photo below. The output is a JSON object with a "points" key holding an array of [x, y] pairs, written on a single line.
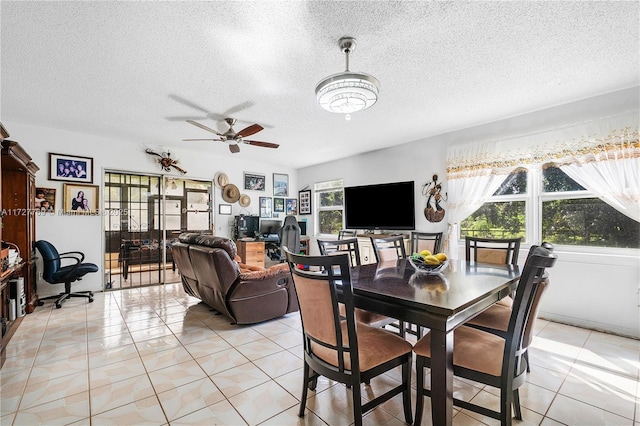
{"points": [[156, 356]]}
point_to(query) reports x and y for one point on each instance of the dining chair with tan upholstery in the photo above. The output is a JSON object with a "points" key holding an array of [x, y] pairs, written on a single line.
{"points": [[431, 241], [496, 318], [487, 358], [500, 251], [388, 248], [338, 347], [351, 248]]}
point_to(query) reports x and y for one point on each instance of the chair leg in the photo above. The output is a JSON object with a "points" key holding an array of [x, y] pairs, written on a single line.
{"points": [[525, 355], [517, 412], [406, 393], [506, 400], [419, 388], [402, 330], [357, 404], [305, 386], [66, 295]]}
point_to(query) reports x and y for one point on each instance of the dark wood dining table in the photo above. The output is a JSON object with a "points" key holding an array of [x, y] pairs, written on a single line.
{"points": [[440, 302]]}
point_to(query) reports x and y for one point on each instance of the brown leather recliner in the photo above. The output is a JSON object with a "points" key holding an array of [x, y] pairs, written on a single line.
{"points": [[210, 272]]}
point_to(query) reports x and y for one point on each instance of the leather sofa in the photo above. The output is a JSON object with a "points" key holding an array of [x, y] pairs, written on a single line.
{"points": [[210, 270]]}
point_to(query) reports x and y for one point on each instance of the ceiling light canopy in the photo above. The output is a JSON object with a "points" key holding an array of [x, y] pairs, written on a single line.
{"points": [[347, 92]]}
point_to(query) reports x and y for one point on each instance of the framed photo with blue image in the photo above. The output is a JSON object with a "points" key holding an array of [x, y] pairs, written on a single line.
{"points": [[280, 185], [70, 168]]}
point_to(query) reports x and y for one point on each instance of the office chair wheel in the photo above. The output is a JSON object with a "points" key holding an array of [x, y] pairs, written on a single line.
{"points": [[90, 299], [58, 306]]}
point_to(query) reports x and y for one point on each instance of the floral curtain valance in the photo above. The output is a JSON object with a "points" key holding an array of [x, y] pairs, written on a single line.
{"points": [[608, 138]]}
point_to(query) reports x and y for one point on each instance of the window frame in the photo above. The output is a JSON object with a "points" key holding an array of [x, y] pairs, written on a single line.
{"points": [[534, 197], [317, 191]]}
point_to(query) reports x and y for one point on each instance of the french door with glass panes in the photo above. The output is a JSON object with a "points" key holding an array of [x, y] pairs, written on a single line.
{"points": [[144, 215]]}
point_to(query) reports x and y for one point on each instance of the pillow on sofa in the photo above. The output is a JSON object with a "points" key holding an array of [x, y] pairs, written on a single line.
{"points": [[263, 273]]}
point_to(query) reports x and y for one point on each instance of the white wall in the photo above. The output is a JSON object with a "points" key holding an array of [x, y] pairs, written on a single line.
{"points": [[588, 289], [595, 289], [85, 233]]}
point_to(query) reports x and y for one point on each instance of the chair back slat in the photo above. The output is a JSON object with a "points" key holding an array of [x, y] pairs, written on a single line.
{"points": [[346, 233], [431, 241], [390, 248], [348, 246], [500, 251]]}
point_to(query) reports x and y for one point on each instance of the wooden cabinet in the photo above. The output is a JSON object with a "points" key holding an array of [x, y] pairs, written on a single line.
{"points": [[304, 245], [251, 252], [18, 219]]}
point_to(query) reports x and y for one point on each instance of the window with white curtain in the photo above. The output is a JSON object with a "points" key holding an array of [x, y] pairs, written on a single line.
{"points": [[566, 213]]}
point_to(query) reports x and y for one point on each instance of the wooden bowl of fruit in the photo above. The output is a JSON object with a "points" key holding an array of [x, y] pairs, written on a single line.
{"points": [[428, 263]]}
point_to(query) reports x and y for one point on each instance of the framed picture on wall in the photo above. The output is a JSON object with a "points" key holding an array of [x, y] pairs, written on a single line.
{"points": [[266, 206], [46, 199], [70, 168], [280, 185], [292, 206], [278, 205], [254, 181], [304, 200], [81, 199], [224, 209]]}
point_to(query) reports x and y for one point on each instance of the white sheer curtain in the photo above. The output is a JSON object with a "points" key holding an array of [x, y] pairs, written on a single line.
{"points": [[610, 168], [474, 173]]}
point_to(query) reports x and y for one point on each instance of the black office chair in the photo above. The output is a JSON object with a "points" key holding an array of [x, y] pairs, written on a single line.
{"points": [[289, 235], [55, 273]]}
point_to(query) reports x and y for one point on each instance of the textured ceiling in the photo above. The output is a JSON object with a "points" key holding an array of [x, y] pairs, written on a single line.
{"points": [[137, 70]]}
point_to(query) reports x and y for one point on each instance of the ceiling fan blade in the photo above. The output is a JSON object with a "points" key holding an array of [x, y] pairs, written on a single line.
{"points": [[263, 144], [235, 109], [234, 148], [202, 126], [188, 103], [151, 152], [185, 118], [218, 140], [248, 131]]}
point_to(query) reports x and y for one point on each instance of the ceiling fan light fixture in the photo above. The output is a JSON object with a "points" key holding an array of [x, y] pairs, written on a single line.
{"points": [[347, 92]]}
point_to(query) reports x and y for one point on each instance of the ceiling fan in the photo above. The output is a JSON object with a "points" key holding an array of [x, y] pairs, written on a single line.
{"points": [[232, 137], [165, 161]]}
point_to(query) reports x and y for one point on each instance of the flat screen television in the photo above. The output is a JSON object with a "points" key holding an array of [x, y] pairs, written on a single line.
{"points": [[387, 206]]}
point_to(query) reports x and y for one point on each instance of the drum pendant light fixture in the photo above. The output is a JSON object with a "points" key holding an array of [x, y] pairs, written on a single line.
{"points": [[347, 92]]}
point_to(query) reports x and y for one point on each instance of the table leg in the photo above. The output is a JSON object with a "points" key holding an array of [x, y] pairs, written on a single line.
{"points": [[441, 377]]}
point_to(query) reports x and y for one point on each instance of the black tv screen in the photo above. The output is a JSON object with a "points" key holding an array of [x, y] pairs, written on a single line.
{"points": [[383, 206]]}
